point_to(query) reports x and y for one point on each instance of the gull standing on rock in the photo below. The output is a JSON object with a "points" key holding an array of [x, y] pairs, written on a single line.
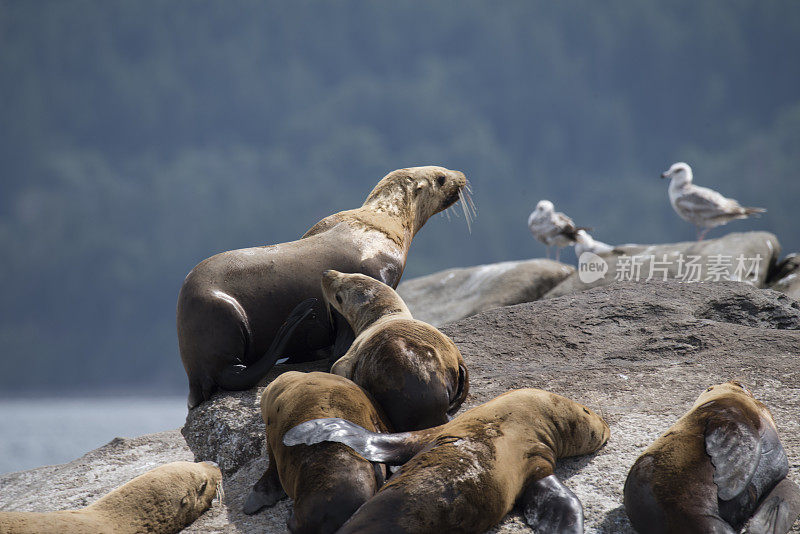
{"points": [[552, 228], [586, 243], [701, 206]]}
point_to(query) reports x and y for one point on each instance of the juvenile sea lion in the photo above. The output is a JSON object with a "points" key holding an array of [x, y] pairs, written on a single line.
{"points": [[717, 467], [231, 305], [414, 372], [164, 500], [466, 475], [329, 481]]}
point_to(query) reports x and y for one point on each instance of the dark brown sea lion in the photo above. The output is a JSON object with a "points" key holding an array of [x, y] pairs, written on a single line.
{"points": [[717, 467], [164, 500], [328, 481], [414, 372], [466, 475], [231, 305]]}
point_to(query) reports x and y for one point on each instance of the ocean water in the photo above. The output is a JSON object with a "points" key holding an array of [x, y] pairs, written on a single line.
{"points": [[42, 431]]}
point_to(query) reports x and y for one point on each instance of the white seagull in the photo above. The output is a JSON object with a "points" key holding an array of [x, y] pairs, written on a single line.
{"points": [[552, 228], [701, 206], [586, 243]]}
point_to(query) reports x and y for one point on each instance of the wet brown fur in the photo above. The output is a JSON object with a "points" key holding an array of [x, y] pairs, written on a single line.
{"points": [[678, 470], [410, 367], [320, 478], [477, 465], [232, 304], [164, 500]]}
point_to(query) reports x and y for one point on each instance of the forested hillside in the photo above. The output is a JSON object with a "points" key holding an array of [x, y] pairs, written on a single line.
{"points": [[139, 137]]}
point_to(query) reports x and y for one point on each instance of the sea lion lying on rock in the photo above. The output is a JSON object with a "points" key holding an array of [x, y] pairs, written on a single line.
{"points": [[164, 500], [231, 305], [328, 481], [718, 467], [414, 372], [466, 475]]}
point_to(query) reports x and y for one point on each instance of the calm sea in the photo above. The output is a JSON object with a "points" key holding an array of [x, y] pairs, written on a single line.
{"points": [[36, 432]]}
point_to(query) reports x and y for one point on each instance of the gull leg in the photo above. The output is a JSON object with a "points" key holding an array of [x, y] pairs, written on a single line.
{"points": [[702, 233], [558, 252], [547, 251]]}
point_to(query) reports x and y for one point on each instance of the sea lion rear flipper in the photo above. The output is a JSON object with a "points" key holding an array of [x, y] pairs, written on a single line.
{"points": [[392, 449], [240, 377], [734, 447], [550, 506], [778, 510]]}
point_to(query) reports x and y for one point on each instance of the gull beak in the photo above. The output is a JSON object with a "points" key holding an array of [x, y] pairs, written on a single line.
{"points": [[664, 174]]}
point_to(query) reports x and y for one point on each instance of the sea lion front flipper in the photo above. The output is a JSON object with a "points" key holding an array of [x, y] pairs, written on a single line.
{"points": [[392, 449], [266, 492], [240, 377], [550, 506], [734, 447], [778, 510]]}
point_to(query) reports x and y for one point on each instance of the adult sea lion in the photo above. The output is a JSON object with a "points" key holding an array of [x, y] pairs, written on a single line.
{"points": [[232, 304], [164, 500], [466, 475], [717, 467], [328, 481], [414, 372]]}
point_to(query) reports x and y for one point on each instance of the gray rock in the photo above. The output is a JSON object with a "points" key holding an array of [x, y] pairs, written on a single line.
{"points": [[786, 276], [717, 259], [639, 353], [453, 294]]}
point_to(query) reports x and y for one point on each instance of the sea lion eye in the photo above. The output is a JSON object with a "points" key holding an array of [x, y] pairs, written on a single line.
{"points": [[440, 180], [338, 298]]}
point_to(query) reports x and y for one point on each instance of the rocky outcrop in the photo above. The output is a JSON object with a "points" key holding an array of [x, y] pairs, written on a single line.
{"points": [[749, 257], [453, 294], [639, 353], [786, 276]]}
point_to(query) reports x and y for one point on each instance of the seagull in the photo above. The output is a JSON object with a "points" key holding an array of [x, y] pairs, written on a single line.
{"points": [[552, 228], [586, 243], [701, 206]]}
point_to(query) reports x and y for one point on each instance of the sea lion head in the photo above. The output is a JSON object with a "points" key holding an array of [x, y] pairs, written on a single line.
{"points": [[359, 298], [165, 499], [726, 389], [421, 191]]}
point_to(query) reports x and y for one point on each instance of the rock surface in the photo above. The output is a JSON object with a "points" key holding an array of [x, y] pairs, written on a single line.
{"points": [[718, 261], [639, 353], [453, 294], [786, 276]]}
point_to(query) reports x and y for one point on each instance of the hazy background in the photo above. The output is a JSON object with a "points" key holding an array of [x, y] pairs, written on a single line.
{"points": [[138, 138]]}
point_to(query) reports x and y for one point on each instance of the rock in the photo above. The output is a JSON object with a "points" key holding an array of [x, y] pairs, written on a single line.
{"points": [[717, 260], [786, 276], [453, 294], [639, 353]]}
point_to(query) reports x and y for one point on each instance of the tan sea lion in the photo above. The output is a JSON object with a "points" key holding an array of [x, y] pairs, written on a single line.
{"points": [[231, 305], [466, 475], [328, 481], [164, 500], [414, 372], [717, 467]]}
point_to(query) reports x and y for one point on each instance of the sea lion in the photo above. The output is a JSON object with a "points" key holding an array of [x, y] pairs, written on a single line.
{"points": [[717, 467], [232, 304], [414, 372], [329, 481], [164, 500], [466, 475]]}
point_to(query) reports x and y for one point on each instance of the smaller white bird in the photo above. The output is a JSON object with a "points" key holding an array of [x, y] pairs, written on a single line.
{"points": [[701, 206], [586, 243], [551, 227]]}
